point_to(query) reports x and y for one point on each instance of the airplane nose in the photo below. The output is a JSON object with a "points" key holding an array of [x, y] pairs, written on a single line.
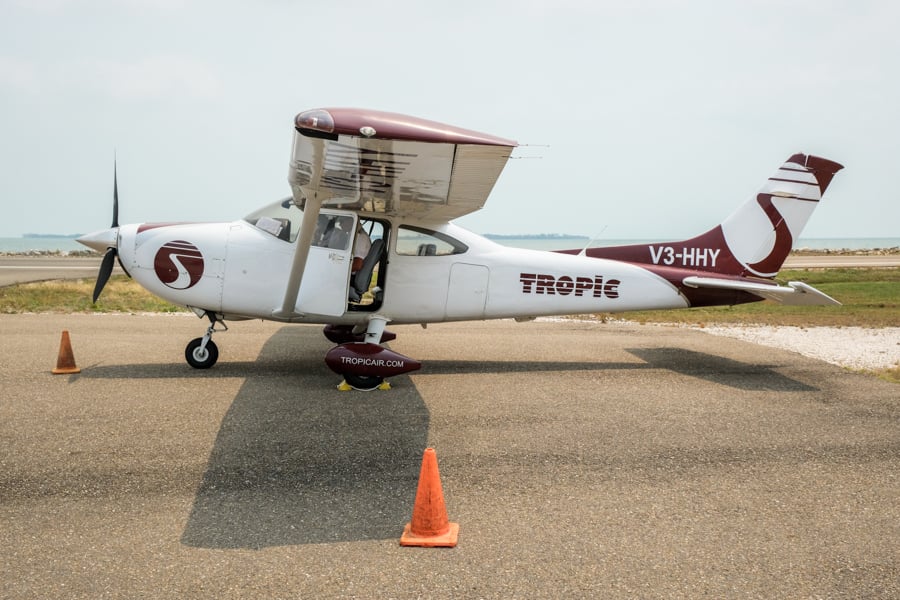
{"points": [[100, 240]]}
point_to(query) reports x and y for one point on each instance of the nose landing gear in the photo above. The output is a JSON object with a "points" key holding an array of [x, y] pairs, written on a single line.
{"points": [[202, 352]]}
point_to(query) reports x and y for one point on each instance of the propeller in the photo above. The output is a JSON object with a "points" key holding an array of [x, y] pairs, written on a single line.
{"points": [[106, 267], [109, 258]]}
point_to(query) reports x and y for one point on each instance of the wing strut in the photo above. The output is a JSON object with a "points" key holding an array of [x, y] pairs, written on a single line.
{"points": [[311, 203]]}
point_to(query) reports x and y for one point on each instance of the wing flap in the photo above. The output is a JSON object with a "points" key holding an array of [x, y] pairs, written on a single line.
{"points": [[475, 171], [796, 293]]}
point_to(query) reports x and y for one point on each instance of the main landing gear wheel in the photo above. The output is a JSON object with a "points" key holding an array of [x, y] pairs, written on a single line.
{"points": [[201, 358], [363, 382]]}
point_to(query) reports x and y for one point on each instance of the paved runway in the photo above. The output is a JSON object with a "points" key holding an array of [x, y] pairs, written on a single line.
{"points": [[23, 269], [581, 460], [845, 261]]}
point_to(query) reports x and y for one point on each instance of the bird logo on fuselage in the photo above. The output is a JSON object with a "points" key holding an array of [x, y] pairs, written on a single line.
{"points": [[178, 264]]}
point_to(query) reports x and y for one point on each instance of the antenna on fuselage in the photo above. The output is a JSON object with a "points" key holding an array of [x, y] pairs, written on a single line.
{"points": [[592, 240]]}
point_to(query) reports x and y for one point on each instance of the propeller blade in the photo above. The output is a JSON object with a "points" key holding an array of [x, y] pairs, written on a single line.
{"points": [[106, 268], [115, 221]]}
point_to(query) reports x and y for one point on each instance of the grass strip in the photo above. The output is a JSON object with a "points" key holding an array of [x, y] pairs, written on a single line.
{"points": [[870, 298]]}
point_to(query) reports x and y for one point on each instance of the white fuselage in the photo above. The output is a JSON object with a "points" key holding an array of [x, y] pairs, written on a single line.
{"points": [[238, 270]]}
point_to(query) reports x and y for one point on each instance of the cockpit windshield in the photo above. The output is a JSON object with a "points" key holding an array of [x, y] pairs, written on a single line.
{"points": [[281, 219]]}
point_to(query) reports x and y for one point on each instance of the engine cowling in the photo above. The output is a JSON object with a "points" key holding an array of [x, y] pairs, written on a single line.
{"points": [[369, 360]]}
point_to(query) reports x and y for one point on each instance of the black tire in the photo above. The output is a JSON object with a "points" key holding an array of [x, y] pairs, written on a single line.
{"points": [[198, 359], [362, 382]]}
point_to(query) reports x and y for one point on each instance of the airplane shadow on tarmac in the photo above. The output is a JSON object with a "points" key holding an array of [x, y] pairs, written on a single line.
{"points": [[713, 368], [298, 462], [716, 369], [721, 370]]}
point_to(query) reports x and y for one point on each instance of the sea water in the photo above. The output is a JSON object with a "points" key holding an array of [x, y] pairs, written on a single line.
{"points": [[39, 244], [568, 243]]}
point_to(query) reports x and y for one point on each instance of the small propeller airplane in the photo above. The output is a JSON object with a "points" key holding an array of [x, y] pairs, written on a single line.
{"points": [[366, 239]]}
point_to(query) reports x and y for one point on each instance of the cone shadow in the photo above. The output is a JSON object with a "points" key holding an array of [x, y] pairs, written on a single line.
{"points": [[298, 462]]}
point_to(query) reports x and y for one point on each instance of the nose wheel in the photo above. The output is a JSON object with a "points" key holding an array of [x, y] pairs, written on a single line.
{"points": [[200, 355], [202, 352]]}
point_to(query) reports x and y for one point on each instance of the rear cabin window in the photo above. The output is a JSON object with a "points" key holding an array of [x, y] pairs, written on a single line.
{"points": [[417, 241]]}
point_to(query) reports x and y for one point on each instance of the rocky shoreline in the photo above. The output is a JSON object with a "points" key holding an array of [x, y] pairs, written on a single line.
{"points": [[846, 252]]}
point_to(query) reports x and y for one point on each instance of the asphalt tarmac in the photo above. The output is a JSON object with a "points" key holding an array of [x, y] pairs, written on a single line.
{"points": [[23, 269], [581, 459]]}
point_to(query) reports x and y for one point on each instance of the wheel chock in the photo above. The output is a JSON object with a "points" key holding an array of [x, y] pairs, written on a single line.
{"points": [[343, 386], [65, 362]]}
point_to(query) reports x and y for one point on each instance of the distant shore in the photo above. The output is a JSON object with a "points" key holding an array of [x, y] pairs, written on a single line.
{"points": [[846, 251], [51, 236], [796, 252]]}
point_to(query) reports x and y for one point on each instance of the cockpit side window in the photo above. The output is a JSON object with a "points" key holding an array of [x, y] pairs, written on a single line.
{"points": [[281, 219], [418, 241]]}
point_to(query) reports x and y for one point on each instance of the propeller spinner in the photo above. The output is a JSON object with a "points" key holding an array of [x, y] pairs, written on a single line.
{"points": [[105, 241]]}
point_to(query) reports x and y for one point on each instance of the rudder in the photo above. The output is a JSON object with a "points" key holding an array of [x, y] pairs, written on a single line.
{"points": [[756, 238], [760, 234]]}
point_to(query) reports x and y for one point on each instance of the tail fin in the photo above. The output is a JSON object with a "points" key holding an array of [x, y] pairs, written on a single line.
{"points": [[756, 238]]}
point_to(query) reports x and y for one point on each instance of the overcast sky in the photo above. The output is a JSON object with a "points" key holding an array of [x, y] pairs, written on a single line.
{"points": [[646, 119]]}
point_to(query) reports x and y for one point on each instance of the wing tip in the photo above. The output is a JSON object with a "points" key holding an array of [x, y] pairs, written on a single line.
{"points": [[376, 124]]}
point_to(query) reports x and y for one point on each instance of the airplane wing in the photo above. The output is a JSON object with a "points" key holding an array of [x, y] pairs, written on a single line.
{"points": [[393, 164], [795, 293], [386, 163]]}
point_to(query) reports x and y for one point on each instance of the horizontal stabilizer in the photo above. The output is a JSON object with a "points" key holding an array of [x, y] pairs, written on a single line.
{"points": [[796, 293]]}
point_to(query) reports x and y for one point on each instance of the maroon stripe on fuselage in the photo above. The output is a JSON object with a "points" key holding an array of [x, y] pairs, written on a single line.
{"points": [[148, 226], [676, 275], [697, 297], [642, 255]]}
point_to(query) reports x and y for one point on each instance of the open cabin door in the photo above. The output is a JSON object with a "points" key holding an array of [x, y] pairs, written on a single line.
{"points": [[326, 278]]}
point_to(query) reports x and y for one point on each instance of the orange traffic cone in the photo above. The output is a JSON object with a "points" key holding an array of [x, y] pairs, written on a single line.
{"points": [[429, 526], [65, 364]]}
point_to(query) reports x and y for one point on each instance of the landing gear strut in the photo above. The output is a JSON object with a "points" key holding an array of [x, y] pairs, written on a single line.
{"points": [[365, 383], [202, 352]]}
